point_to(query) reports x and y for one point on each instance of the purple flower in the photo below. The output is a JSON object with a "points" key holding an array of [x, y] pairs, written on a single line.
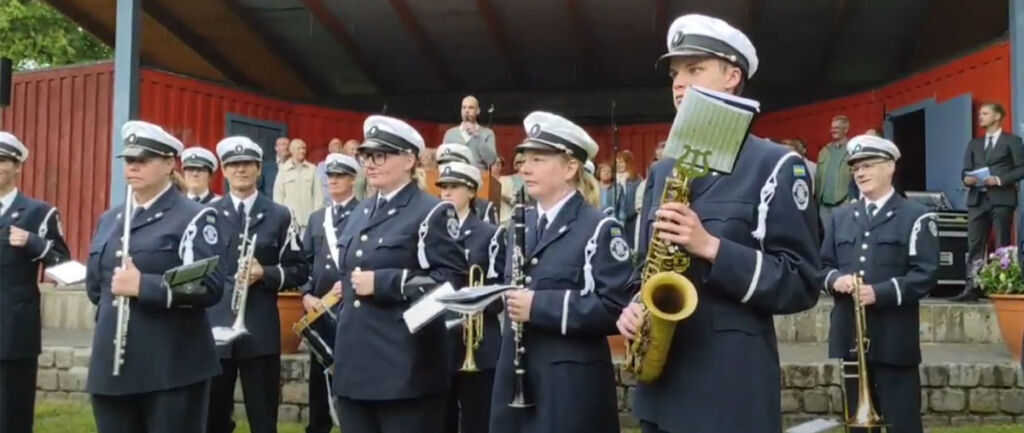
{"points": [[1004, 263]]}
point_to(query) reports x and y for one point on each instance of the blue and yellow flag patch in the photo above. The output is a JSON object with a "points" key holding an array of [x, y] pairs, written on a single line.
{"points": [[799, 170]]}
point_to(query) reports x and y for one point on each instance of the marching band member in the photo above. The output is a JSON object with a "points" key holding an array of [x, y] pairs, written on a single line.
{"points": [[31, 237], [277, 265], [469, 403], [390, 380], [455, 152], [319, 248], [576, 271], [892, 244], [169, 357], [752, 237], [198, 165]]}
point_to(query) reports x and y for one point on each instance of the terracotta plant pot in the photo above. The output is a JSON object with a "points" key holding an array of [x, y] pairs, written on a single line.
{"points": [[1010, 313], [617, 344], [289, 309]]}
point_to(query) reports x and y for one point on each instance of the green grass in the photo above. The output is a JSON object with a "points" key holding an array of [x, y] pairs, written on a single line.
{"points": [[63, 417]]}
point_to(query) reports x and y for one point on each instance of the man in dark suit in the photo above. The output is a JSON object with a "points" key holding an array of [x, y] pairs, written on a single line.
{"points": [[254, 357], [991, 202], [754, 255], [30, 237], [162, 383], [892, 245], [320, 251]]}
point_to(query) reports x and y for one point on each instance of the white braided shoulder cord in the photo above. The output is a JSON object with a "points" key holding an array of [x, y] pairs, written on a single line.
{"points": [[588, 255], [916, 230], [185, 251], [332, 236], [44, 229], [492, 253], [767, 194], [421, 246]]}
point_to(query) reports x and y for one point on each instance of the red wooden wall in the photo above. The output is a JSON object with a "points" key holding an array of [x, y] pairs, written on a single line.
{"points": [[985, 74], [63, 117]]}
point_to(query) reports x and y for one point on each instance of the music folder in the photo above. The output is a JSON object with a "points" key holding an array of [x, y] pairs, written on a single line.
{"points": [[426, 309], [472, 300], [191, 272], [67, 273]]}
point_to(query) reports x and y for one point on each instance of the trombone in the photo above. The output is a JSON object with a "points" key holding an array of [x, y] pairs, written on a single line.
{"points": [[247, 248], [472, 325], [865, 415]]}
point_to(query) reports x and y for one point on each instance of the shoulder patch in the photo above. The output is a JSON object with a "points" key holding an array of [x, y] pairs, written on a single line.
{"points": [[615, 231], [619, 248], [801, 194], [799, 170], [211, 219], [932, 227], [453, 228], [210, 234]]}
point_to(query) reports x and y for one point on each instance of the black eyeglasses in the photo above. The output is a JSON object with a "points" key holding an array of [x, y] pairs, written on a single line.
{"points": [[377, 158]]}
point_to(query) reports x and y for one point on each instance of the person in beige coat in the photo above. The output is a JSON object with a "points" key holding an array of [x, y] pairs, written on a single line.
{"points": [[297, 186]]}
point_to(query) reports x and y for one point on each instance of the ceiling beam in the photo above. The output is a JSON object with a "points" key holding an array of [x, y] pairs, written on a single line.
{"points": [[587, 54], [905, 61], [326, 18], [84, 20], [844, 10], [502, 42], [426, 46], [278, 48], [196, 43]]}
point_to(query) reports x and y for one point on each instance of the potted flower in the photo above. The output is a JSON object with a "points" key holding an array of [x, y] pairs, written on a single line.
{"points": [[289, 310], [1000, 278]]}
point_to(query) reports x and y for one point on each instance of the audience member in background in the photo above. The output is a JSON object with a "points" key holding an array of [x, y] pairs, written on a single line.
{"points": [[504, 209], [799, 147], [270, 169], [610, 196], [833, 183], [992, 200], [479, 139], [198, 165], [510, 184], [638, 204], [876, 131], [333, 146], [630, 181], [350, 147], [297, 187]]}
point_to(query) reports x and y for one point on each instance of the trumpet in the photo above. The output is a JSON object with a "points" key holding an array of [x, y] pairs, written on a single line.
{"points": [[247, 248], [865, 416], [472, 325], [121, 302], [519, 393]]}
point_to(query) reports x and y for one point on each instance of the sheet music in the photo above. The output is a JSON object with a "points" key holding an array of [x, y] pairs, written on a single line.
{"points": [[67, 273], [426, 309], [711, 121]]}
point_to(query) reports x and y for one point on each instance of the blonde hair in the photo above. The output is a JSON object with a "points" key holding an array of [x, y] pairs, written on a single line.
{"points": [[585, 183]]}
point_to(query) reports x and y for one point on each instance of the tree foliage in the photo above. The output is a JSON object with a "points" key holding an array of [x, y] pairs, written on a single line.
{"points": [[34, 35]]}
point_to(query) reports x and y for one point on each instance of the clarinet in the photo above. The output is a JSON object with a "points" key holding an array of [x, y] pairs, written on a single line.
{"points": [[519, 399], [121, 302]]}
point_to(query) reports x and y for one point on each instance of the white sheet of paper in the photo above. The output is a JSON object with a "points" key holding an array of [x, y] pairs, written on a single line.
{"points": [[981, 174], [426, 309], [67, 273], [819, 425]]}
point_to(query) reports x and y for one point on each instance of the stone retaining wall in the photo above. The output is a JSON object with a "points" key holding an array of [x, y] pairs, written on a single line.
{"points": [[952, 394]]}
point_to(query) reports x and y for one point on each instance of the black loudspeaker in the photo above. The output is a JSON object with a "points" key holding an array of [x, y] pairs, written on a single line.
{"points": [[5, 82]]}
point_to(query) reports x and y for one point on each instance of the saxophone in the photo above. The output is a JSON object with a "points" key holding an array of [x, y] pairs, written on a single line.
{"points": [[667, 296]]}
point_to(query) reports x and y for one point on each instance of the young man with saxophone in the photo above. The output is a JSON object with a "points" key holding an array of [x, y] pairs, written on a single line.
{"points": [[320, 251], [31, 237], [255, 356], [892, 245], [168, 358], [753, 240]]}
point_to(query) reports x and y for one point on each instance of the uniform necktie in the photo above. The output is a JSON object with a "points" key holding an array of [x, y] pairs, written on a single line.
{"points": [[541, 226], [241, 213], [988, 143], [198, 198], [872, 208], [381, 201]]}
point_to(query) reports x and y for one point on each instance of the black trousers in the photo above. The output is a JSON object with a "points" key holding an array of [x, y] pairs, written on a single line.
{"points": [[896, 396], [261, 389], [420, 415], [983, 218], [17, 395], [178, 410], [469, 402], [319, 402]]}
